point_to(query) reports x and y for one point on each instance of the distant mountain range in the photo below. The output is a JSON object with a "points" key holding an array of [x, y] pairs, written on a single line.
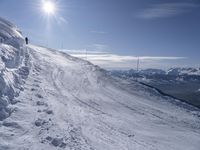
{"points": [[184, 71], [181, 83], [171, 71]]}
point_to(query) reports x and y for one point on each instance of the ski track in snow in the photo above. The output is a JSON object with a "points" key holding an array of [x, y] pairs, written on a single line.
{"points": [[68, 103]]}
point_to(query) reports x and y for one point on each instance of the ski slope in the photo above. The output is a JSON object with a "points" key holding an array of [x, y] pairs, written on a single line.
{"points": [[51, 100]]}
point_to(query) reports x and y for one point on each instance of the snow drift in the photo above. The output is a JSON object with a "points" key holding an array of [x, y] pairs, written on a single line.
{"points": [[51, 100], [13, 66]]}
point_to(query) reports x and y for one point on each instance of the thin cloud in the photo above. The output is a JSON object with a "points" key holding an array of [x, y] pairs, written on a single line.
{"points": [[60, 20], [63, 20], [119, 58], [98, 47], [167, 10], [113, 61], [82, 52], [98, 32]]}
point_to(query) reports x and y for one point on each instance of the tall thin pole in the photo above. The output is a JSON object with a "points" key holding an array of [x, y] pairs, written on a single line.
{"points": [[86, 54], [138, 63], [61, 45]]}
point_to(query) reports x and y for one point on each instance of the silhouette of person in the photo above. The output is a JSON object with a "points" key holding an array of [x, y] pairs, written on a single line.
{"points": [[26, 39]]}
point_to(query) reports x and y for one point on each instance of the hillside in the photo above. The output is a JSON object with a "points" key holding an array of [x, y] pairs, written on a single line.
{"points": [[51, 100]]}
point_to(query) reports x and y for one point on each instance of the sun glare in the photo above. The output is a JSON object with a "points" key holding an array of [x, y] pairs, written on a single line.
{"points": [[49, 7]]}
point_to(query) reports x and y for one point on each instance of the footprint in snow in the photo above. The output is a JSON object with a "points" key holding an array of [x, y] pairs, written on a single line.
{"points": [[40, 122], [39, 95], [37, 81], [50, 112], [56, 142], [40, 103], [33, 89]]}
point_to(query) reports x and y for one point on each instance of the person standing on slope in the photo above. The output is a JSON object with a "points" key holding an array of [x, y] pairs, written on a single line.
{"points": [[26, 39]]}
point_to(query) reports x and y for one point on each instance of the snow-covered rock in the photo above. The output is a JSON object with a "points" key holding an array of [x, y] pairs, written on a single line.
{"points": [[62, 102]]}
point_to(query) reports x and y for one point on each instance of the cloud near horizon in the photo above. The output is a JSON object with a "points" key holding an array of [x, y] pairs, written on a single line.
{"points": [[167, 10], [98, 32], [113, 61]]}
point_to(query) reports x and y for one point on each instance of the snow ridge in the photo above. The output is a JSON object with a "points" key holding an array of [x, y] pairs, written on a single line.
{"points": [[13, 66]]}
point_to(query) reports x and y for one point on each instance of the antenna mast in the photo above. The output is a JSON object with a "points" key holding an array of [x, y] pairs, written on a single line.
{"points": [[138, 63], [86, 54]]}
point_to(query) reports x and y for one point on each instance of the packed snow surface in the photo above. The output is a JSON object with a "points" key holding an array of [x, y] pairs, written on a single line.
{"points": [[50, 100]]}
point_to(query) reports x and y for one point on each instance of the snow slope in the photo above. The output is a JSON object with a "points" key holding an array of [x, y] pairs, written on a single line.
{"points": [[62, 102]]}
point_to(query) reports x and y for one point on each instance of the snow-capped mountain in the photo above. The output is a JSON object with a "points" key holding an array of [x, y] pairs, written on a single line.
{"points": [[184, 71], [51, 100], [150, 71], [182, 83]]}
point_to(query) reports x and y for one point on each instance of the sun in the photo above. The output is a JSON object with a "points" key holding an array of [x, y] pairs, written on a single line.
{"points": [[49, 7]]}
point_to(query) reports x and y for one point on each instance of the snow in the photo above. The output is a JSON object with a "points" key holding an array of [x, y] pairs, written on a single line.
{"points": [[184, 71], [13, 66], [51, 100]]}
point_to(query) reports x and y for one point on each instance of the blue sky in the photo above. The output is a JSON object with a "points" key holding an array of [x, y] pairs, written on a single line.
{"points": [[164, 33]]}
